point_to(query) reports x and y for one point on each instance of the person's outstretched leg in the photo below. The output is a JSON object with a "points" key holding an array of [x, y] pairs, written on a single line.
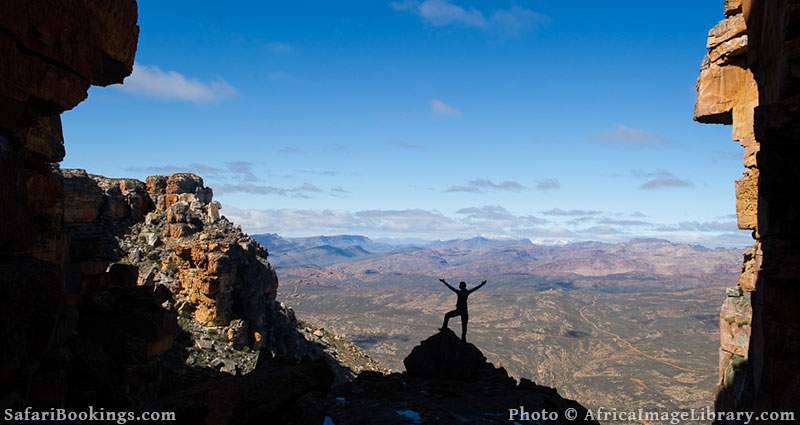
{"points": [[464, 321], [447, 317]]}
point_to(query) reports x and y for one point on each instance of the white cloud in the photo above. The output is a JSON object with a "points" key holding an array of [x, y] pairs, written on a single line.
{"points": [[517, 20], [152, 81], [486, 185], [438, 107], [571, 213], [487, 221], [303, 191], [548, 184], [440, 13], [373, 222], [660, 179]]}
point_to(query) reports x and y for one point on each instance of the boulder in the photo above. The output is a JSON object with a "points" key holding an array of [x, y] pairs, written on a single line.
{"points": [[445, 356]]}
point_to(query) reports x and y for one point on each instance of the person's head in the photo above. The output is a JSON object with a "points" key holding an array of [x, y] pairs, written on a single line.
{"points": [[462, 285]]}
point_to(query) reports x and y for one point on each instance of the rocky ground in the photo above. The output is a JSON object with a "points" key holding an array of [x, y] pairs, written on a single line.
{"points": [[447, 382]]}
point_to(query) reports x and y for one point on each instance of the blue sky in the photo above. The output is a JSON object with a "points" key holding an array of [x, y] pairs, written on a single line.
{"points": [[426, 119]]}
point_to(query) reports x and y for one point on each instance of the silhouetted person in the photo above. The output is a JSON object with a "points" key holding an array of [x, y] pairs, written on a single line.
{"points": [[461, 306]]}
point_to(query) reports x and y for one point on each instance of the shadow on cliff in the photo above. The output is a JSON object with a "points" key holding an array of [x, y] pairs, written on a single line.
{"points": [[447, 381], [767, 380], [270, 393]]}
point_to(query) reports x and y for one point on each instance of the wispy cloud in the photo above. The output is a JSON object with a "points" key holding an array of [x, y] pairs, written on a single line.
{"points": [[514, 20], [326, 173], [498, 220], [439, 107], [489, 221], [623, 222], [442, 12], [700, 226], [153, 82], [631, 136], [238, 170], [339, 192], [303, 191], [660, 179], [242, 169], [571, 213], [548, 184], [485, 185], [517, 20]]}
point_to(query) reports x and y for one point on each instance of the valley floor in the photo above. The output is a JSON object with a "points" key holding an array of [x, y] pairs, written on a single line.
{"points": [[625, 350]]}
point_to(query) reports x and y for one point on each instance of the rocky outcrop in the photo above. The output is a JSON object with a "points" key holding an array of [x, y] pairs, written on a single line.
{"points": [[79, 324], [438, 388], [52, 52], [217, 273], [166, 235], [445, 356], [749, 80]]}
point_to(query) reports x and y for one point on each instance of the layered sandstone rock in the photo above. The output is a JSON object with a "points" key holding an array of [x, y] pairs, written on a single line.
{"points": [[52, 51], [216, 272], [749, 80]]}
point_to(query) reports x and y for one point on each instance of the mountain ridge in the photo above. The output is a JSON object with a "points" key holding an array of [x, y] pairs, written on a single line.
{"points": [[482, 256]]}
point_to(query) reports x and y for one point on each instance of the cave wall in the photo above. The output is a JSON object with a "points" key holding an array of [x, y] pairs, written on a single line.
{"points": [[51, 53], [750, 79]]}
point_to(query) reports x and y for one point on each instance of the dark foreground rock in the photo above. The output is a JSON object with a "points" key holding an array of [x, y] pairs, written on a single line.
{"points": [[446, 356], [437, 389], [273, 393]]}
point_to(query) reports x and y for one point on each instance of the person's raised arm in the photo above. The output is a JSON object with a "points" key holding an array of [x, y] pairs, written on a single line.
{"points": [[448, 285], [478, 287]]}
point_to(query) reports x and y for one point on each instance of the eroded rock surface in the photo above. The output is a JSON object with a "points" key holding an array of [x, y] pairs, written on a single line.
{"points": [[749, 80]]}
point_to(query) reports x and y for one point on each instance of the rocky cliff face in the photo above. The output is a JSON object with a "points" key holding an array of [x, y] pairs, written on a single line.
{"points": [[97, 274], [166, 235], [52, 52], [749, 79]]}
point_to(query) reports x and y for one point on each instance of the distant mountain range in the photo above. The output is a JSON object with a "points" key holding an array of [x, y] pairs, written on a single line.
{"points": [[320, 250], [350, 257]]}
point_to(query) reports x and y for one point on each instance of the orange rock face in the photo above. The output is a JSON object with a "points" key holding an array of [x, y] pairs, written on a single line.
{"points": [[216, 273], [749, 79]]}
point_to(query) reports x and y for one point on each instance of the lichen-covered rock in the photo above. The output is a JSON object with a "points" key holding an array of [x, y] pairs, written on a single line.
{"points": [[216, 272]]}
